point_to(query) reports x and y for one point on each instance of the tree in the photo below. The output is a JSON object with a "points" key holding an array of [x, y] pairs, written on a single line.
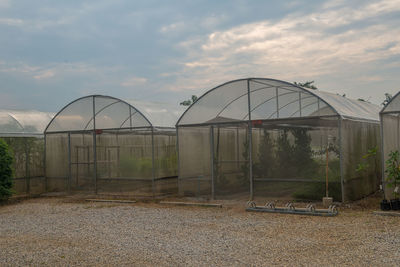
{"points": [[189, 101], [308, 84], [6, 173], [388, 97]]}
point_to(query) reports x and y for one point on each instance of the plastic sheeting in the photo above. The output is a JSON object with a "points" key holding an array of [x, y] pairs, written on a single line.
{"points": [[23, 122], [271, 99]]}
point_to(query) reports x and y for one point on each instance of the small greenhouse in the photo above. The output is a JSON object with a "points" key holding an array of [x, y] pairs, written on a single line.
{"points": [[261, 137], [23, 131], [106, 145], [390, 127]]}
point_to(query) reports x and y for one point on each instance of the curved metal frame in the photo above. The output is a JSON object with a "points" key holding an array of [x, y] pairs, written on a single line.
{"points": [[256, 80], [94, 97]]}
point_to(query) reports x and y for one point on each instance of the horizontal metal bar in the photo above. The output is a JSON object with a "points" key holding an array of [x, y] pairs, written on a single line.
{"points": [[298, 180]]}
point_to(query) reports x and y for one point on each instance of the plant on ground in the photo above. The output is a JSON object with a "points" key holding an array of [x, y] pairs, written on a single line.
{"points": [[6, 172], [393, 171]]}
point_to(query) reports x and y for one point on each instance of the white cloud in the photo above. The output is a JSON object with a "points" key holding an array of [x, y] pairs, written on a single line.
{"points": [[134, 81], [306, 46], [174, 27], [44, 75], [11, 21]]}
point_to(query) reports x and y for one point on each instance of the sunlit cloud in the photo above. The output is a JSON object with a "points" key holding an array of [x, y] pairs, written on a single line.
{"points": [[134, 81], [44, 75], [303, 45]]}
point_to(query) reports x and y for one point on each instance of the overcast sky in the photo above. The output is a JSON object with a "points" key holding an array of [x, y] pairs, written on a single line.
{"points": [[52, 52]]}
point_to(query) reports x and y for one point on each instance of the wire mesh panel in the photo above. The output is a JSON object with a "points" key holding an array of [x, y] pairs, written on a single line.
{"points": [[124, 162], [57, 162], [194, 161], [358, 139], [290, 158], [391, 140], [231, 160], [82, 162], [165, 162]]}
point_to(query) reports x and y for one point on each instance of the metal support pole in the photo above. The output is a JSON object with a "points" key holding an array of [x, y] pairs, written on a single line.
{"points": [[250, 143], [212, 162], [327, 170], [94, 147], [27, 178], [44, 166], [341, 158], [383, 155], [69, 163], [153, 163], [179, 163]]}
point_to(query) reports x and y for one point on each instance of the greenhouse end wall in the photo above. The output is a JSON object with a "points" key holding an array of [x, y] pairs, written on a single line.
{"points": [[359, 138], [124, 162], [390, 142], [289, 159]]}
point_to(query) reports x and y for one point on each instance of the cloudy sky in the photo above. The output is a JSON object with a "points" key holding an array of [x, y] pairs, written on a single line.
{"points": [[52, 52]]}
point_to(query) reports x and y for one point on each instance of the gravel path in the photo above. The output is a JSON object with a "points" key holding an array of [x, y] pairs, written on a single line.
{"points": [[54, 231]]}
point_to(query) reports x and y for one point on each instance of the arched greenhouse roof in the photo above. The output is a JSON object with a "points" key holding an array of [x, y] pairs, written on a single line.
{"points": [[272, 99], [23, 122], [393, 106], [110, 113]]}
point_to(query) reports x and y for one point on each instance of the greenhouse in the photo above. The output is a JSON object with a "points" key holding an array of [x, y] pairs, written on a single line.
{"points": [[106, 145], [260, 137], [23, 131], [390, 127]]}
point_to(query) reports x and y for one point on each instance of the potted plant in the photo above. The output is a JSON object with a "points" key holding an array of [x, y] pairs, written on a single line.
{"points": [[393, 177]]}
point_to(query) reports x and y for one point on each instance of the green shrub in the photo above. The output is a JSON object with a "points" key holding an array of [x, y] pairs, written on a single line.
{"points": [[6, 173]]}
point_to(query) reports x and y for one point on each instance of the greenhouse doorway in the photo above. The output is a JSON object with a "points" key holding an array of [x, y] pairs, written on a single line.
{"points": [[81, 162]]}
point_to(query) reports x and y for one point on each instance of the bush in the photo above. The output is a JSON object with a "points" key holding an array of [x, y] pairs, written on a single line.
{"points": [[6, 173]]}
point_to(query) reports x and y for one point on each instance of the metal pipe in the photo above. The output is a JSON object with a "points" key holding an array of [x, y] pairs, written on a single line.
{"points": [[250, 143], [341, 158], [94, 146], [69, 162], [178, 157], [383, 155], [152, 162], [212, 162], [44, 165], [27, 180]]}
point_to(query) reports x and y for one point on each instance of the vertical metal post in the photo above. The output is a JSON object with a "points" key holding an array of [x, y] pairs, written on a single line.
{"points": [[153, 162], [77, 165], [44, 165], [27, 178], [178, 157], [130, 117], [250, 143], [327, 170], [94, 147], [69, 162], [212, 162], [383, 155], [341, 158], [237, 148]]}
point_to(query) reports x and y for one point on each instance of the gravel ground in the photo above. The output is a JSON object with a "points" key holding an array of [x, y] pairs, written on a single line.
{"points": [[58, 231]]}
